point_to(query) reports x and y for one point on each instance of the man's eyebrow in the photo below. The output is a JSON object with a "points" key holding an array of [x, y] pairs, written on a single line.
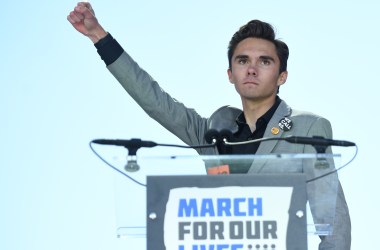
{"points": [[238, 57], [267, 58], [264, 57]]}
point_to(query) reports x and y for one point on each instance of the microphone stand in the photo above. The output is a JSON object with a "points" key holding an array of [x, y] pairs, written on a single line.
{"points": [[132, 165], [321, 162], [133, 145]]}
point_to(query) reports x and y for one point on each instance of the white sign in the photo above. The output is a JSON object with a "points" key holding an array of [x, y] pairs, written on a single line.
{"points": [[227, 218]]}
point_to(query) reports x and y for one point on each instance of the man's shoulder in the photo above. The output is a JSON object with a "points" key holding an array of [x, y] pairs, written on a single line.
{"points": [[311, 123], [302, 114], [299, 114], [302, 119]]}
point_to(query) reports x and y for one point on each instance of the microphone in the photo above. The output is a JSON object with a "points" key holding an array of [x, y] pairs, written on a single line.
{"points": [[132, 145], [132, 165], [225, 135], [214, 136], [320, 144], [318, 141]]}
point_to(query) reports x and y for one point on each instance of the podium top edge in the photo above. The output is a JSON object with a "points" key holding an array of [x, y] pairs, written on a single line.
{"points": [[240, 157]]}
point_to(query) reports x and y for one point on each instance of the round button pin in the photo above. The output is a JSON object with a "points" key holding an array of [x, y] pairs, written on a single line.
{"points": [[285, 124], [275, 130]]}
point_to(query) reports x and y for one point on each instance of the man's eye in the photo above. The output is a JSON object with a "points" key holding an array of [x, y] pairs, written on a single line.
{"points": [[242, 61], [265, 62]]}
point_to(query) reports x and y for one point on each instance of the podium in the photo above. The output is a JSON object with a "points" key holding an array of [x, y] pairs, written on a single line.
{"points": [[175, 205]]}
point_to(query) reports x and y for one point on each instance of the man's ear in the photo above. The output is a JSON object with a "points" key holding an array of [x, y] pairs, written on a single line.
{"points": [[282, 78], [229, 72]]}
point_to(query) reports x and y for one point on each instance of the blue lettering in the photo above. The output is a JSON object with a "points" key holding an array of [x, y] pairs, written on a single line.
{"points": [[224, 206], [207, 208], [241, 207], [187, 209], [252, 206], [237, 211]]}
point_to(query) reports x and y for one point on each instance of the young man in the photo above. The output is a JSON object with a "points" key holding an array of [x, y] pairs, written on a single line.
{"points": [[257, 68]]}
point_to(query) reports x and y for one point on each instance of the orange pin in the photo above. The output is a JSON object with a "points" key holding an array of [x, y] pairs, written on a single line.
{"points": [[275, 130]]}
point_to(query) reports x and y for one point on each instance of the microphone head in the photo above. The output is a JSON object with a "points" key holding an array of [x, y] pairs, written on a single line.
{"points": [[212, 136], [225, 134]]}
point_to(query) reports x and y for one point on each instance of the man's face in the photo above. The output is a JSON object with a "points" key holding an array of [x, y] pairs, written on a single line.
{"points": [[255, 70]]}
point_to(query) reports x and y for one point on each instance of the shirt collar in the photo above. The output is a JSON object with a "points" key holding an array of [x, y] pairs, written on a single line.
{"points": [[240, 120]]}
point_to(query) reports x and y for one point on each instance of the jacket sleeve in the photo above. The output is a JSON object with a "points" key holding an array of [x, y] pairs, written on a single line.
{"points": [[183, 122]]}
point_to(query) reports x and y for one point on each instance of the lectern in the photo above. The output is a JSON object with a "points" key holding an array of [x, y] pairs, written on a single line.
{"points": [[274, 202]]}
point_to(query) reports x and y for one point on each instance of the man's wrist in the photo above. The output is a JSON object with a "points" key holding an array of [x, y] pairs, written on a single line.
{"points": [[97, 35]]}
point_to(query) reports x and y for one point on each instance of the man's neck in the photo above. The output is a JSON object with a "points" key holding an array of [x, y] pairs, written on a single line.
{"points": [[253, 110]]}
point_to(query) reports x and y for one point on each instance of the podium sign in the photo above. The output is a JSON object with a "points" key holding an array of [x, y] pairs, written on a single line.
{"points": [[187, 209], [221, 212]]}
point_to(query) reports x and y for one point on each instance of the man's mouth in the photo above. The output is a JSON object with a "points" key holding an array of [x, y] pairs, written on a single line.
{"points": [[251, 82]]}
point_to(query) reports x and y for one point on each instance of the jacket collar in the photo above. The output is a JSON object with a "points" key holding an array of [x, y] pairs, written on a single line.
{"points": [[282, 111]]}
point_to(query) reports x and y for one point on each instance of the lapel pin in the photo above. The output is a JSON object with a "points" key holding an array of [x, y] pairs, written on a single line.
{"points": [[275, 130], [285, 124]]}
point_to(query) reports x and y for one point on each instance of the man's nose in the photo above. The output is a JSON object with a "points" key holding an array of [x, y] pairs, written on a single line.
{"points": [[252, 71]]}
